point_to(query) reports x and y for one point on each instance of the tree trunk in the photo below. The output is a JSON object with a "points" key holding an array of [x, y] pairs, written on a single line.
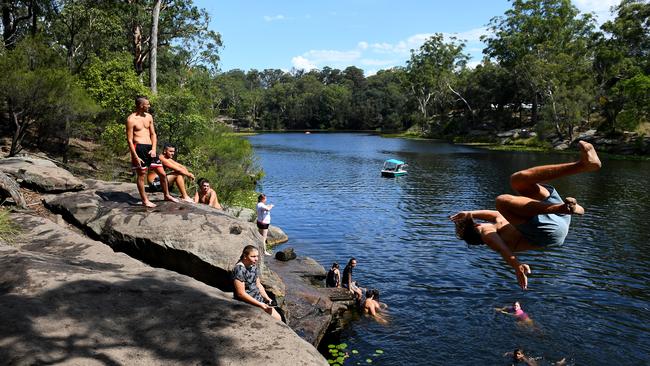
{"points": [[153, 47], [9, 188]]}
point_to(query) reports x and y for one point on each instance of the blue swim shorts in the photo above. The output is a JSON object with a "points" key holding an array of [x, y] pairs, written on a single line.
{"points": [[547, 229]]}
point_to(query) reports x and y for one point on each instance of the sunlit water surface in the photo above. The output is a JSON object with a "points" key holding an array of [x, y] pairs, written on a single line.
{"points": [[589, 298]]}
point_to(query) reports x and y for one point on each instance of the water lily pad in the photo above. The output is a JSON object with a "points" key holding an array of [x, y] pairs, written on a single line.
{"points": [[379, 351], [354, 351], [342, 346], [368, 360], [331, 346]]}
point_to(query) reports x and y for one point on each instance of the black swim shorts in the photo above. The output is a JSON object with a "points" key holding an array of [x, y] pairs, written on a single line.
{"points": [[262, 226], [142, 151]]}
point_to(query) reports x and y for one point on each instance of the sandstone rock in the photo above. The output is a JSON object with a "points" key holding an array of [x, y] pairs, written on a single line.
{"points": [[9, 188], [40, 174], [242, 213], [309, 309], [195, 240], [69, 300], [276, 236], [285, 255]]}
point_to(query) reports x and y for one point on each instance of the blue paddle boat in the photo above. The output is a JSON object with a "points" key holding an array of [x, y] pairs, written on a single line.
{"points": [[393, 168]]}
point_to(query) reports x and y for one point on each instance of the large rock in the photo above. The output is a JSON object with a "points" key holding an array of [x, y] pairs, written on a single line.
{"points": [[192, 239], [310, 309], [276, 236], [40, 174], [69, 300]]}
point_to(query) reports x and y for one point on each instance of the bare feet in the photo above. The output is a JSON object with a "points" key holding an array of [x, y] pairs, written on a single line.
{"points": [[588, 156], [573, 207], [148, 204], [170, 198], [266, 252], [188, 199]]}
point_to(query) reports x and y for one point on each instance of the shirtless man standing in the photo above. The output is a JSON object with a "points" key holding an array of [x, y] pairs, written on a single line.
{"points": [[141, 137]]}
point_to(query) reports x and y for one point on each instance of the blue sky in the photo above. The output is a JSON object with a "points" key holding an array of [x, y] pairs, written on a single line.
{"points": [[369, 34]]}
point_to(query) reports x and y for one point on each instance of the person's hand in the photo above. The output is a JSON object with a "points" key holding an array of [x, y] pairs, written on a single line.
{"points": [[140, 161], [190, 175], [521, 271], [460, 216], [152, 153]]}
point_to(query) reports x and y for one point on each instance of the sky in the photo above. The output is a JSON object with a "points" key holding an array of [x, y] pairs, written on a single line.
{"points": [[369, 34]]}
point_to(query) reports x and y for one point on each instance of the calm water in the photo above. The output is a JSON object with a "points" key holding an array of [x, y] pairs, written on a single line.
{"points": [[590, 298]]}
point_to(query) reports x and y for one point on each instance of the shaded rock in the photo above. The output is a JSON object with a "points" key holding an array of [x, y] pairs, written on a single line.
{"points": [[285, 255], [276, 236], [196, 240], [309, 308], [40, 174], [67, 299]]}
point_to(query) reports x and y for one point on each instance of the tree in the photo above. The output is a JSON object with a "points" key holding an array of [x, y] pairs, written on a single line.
{"points": [[430, 73], [623, 55], [38, 89], [544, 43], [153, 77]]}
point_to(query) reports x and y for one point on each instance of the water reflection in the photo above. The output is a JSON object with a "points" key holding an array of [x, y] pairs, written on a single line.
{"points": [[590, 297]]}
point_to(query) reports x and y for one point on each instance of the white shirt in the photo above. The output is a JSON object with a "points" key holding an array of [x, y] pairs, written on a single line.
{"points": [[263, 213]]}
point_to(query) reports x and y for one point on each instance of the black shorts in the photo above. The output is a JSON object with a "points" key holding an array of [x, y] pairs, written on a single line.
{"points": [[262, 226], [142, 151]]}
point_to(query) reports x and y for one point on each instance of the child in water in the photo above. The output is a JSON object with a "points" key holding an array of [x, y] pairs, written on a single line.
{"points": [[519, 358], [516, 311]]}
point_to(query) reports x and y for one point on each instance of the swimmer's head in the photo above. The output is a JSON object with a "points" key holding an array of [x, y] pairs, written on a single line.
{"points": [[466, 230], [335, 265], [516, 305], [518, 355]]}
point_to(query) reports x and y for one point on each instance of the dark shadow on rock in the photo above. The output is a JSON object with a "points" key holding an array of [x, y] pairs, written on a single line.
{"points": [[103, 317], [120, 197]]}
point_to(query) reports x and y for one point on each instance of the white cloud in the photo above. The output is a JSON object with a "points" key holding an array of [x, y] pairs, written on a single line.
{"points": [[599, 7], [362, 45], [271, 18], [472, 35], [300, 62]]}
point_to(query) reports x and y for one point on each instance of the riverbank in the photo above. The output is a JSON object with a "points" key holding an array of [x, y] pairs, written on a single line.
{"points": [[149, 274]]}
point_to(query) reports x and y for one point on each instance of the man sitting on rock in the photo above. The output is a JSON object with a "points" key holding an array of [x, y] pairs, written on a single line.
{"points": [[175, 172], [248, 287], [207, 195]]}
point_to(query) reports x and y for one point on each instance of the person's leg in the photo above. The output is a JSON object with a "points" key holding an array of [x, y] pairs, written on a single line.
{"points": [[180, 183], [164, 184], [274, 313], [140, 184], [265, 233], [519, 209], [525, 182]]}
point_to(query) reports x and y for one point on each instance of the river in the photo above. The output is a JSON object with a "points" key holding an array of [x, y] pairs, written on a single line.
{"points": [[589, 298]]}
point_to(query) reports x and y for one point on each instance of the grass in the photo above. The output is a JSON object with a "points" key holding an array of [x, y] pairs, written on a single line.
{"points": [[8, 230]]}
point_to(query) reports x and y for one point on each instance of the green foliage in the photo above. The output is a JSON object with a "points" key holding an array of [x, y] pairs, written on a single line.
{"points": [[227, 161], [8, 230], [113, 84]]}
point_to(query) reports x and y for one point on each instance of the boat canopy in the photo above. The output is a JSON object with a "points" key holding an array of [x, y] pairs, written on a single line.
{"points": [[393, 161]]}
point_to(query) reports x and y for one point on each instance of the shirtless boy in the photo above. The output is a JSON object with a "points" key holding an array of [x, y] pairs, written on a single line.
{"points": [[207, 195], [141, 137], [175, 172], [537, 218]]}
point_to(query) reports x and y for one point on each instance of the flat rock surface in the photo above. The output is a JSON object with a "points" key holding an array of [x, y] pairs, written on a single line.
{"points": [[40, 174], [67, 299], [192, 239]]}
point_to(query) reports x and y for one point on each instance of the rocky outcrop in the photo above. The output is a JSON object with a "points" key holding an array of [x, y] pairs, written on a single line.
{"points": [[310, 309], [276, 236], [67, 299], [40, 174], [195, 240]]}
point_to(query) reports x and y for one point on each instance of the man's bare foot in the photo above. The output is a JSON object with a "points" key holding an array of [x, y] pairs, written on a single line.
{"points": [[188, 199], [573, 207], [588, 156], [170, 198], [148, 204]]}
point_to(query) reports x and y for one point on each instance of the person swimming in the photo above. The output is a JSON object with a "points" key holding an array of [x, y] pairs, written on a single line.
{"points": [[517, 311]]}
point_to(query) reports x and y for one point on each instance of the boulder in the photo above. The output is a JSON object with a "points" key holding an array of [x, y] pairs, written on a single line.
{"points": [[195, 240], [40, 174], [276, 236], [67, 299], [242, 213], [9, 188], [285, 255], [310, 309]]}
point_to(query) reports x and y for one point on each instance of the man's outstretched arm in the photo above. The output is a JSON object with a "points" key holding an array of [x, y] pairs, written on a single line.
{"points": [[493, 240]]}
